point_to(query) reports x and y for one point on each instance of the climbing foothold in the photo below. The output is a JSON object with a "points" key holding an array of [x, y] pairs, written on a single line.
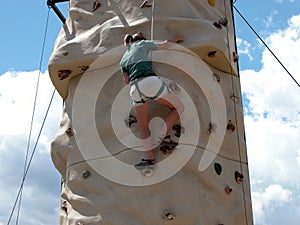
{"points": [[179, 130], [96, 5], [69, 131], [217, 77], [145, 4], [223, 22], [212, 2], [130, 120], [230, 126], [235, 57], [217, 25], [234, 98], [218, 168], [211, 128], [63, 74], [64, 206], [228, 190], [86, 174], [168, 215], [238, 177], [65, 53], [83, 68], [212, 54], [147, 172]]}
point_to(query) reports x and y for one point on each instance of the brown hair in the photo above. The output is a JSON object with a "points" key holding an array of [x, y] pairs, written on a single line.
{"points": [[132, 38]]}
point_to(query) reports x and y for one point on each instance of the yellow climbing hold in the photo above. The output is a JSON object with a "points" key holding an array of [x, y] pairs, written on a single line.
{"points": [[212, 2]]}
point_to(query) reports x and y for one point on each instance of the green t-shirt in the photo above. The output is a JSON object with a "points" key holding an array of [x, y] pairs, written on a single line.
{"points": [[136, 61]]}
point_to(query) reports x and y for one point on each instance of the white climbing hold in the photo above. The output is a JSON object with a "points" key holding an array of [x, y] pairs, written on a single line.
{"points": [[147, 172]]}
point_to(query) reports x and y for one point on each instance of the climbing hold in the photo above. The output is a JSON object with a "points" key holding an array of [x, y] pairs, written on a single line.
{"points": [[96, 5], [218, 168], [86, 174], [65, 53], [64, 206], [130, 120], [145, 4], [63, 74], [168, 215], [212, 54], [235, 57], [234, 98], [212, 2], [217, 25], [223, 22], [217, 77], [228, 190], [178, 130], [238, 177], [70, 131], [174, 87], [211, 128], [230, 126], [147, 172], [83, 68]]}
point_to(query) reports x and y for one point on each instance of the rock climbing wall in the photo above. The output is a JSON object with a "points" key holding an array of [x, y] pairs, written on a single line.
{"points": [[205, 179]]}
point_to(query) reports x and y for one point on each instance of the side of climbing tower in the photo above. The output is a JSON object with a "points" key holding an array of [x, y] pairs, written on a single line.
{"points": [[205, 180]]}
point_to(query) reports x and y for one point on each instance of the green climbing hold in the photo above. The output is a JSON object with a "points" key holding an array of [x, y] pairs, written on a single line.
{"points": [[218, 168]]}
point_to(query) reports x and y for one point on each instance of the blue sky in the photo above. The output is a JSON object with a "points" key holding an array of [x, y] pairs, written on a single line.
{"points": [[271, 104]]}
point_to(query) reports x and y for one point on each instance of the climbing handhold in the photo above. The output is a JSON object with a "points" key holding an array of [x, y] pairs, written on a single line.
{"points": [[168, 215], [130, 120], [63, 74], [217, 77], [83, 68], [235, 57], [223, 22], [145, 4], [230, 126], [234, 98], [212, 2], [147, 172], [65, 53], [217, 25], [228, 190], [238, 177], [212, 54], [86, 174], [64, 206], [178, 130], [211, 128], [96, 5], [218, 168], [70, 131], [174, 87]]}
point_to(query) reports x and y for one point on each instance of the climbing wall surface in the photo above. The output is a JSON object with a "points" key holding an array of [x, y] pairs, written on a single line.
{"points": [[205, 180]]}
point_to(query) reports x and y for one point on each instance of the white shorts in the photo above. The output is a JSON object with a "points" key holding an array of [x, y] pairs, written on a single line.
{"points": [[147, 88]]}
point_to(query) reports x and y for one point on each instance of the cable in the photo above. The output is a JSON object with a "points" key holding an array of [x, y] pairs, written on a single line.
{"points": [[26, 167], [266, 46]]}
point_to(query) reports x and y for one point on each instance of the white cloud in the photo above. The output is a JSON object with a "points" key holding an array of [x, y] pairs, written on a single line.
{"points": [[272, 122], [41, 192], [244, 48]]}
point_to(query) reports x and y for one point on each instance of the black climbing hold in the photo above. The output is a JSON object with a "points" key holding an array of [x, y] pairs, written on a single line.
{"points": [[65, 53], [230, 126], [211, 128], [238, 177], [69, 131], [130, 120], [145, 4], [83, 68], [179, 129], [223, 22], [218, 168], [96, 5], [64, 206], [169, 216], [217, 77], [63, 74], [217, 25], [235, 57], [86, 174], [212, 54]]}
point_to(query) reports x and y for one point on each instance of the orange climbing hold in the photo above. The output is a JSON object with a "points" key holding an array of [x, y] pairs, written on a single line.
{"points": [[212, 3]]}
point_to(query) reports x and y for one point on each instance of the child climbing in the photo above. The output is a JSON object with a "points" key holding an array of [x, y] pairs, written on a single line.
{"points": [[145, 85]]}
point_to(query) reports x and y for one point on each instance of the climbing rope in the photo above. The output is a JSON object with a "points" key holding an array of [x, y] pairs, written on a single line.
{"points": [[264, 43], [27, 162], [152, 20], [235, 113]]}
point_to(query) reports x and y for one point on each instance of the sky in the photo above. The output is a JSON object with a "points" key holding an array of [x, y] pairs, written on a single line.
{"points": [[270, 97]]}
